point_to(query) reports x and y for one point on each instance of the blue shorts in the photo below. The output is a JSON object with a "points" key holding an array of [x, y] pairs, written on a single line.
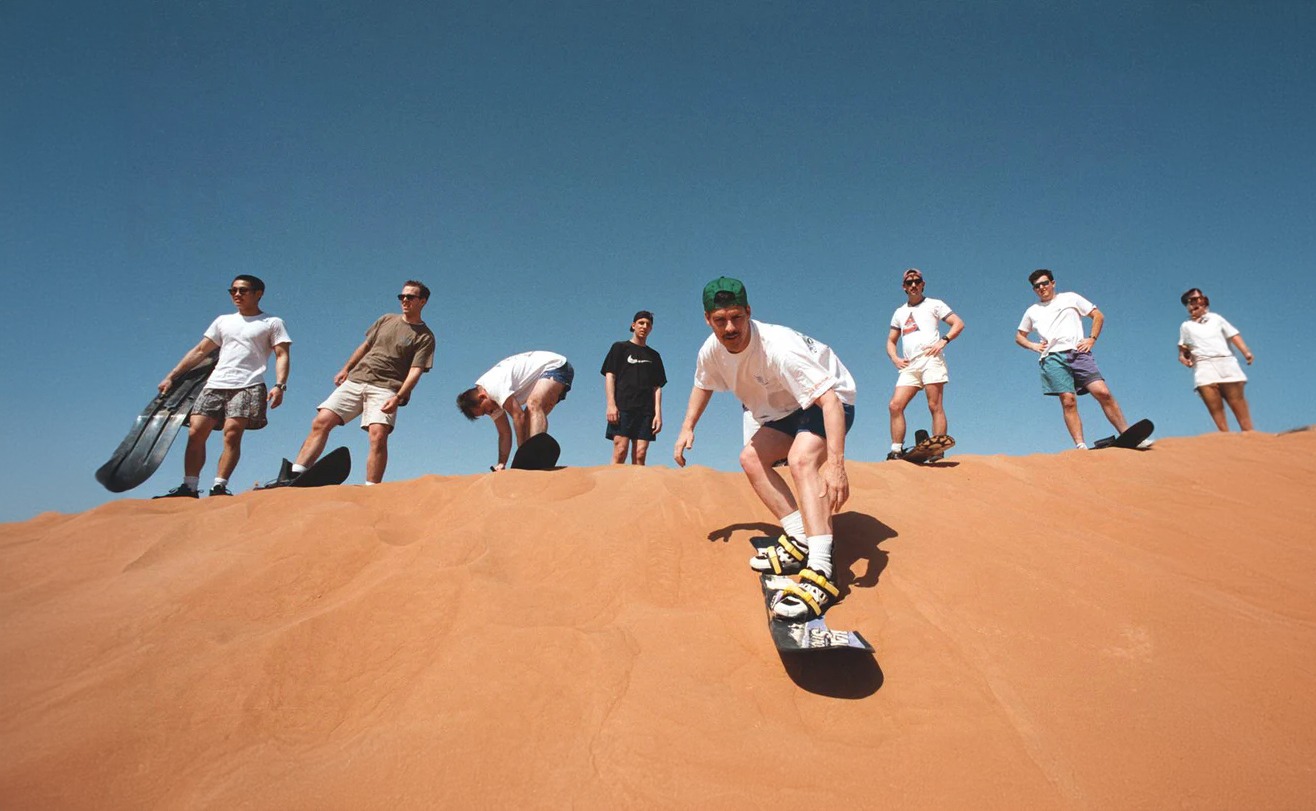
{"points": [[632, 425], [1068, 372], [563, 374], [808, 419]]}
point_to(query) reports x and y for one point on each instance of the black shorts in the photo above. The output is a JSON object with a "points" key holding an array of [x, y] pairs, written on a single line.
{"points": [[632, 425]]}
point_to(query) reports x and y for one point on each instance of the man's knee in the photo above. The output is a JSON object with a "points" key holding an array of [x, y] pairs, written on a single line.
{"points": [[325, 420]]}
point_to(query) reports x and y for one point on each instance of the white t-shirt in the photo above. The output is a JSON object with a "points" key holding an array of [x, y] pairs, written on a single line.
{"points": [[779, 373], [1207, 337], [516, 376], [245, 343], [1059, 321], [919, 325]]}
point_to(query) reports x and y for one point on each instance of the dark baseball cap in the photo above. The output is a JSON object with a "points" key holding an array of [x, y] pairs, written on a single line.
{"points": [[918, 273], [724, 284]]}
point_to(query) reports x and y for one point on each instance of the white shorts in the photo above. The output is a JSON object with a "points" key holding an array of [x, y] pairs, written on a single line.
{"points": [[923, 370], [352, 398], [1210, 371]]}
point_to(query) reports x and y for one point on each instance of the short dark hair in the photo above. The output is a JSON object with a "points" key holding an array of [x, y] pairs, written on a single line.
{"points": [[424, 291], [256, 284], [1189, 294], [468, 401], [1039, 273]]}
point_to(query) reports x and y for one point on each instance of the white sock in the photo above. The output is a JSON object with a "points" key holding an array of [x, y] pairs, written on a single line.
{"points": [[793, 526], [218, 480], [820, 554], [897, 447], [1082, 446], [192, 481], [371, 484], [296, 468]]}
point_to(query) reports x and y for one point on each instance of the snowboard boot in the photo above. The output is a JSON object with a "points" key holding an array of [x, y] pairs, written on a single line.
{"points": [[805, 600], [784, 557]]}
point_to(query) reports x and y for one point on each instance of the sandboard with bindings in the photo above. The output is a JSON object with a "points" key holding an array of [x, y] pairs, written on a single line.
{"points": [[332, 468], [153, 432], [539, 452], [1133, 436], [805, 636], [927, 448]]}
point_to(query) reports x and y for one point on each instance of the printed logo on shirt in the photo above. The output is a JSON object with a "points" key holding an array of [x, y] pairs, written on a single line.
{"points": [[633, 359], [910, 325]]}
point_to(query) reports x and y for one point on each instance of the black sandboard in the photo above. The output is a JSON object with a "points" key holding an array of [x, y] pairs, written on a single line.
{"points": [[539, 452], [153, 432], [927, 448], [332, 468], [803, 637], [1132, 437]]}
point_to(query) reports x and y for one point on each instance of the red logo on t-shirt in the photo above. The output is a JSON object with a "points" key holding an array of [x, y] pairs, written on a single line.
{"points": [[910, 325]]}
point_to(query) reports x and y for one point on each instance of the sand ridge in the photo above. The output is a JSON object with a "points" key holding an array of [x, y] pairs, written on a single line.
{"points": [[1077, 630]]}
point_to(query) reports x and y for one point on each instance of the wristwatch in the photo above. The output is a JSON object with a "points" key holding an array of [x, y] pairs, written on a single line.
{"points": [[281, 386]]}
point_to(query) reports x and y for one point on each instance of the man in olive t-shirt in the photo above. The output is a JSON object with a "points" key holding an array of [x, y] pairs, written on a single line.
{"points": [[375, 381]]}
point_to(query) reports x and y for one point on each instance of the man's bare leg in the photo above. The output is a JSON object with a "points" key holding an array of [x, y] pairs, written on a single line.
{"points": [[757, 458], [640, 452], [543, 397], [377, 458], [899, 401], [934, 392], [228, 460], [1069, 407], [1109, 405], [620, 445], [198, 431], [324, 422]]}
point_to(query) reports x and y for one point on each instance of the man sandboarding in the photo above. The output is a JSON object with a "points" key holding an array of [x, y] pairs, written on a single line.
{"points": [[801, 397]]}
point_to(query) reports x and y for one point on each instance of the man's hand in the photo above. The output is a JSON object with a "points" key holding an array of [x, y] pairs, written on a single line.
{"points": [[165, 384], [275, 397], [612, 414], [391, 404], [340, 377], [836, 485], [657, 424], [900, 363], [1086, 344], [684, 442]]}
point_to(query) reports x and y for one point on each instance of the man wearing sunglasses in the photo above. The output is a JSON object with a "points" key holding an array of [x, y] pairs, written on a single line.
{"points": [[375, 381], [1067, 365], [916, 324], [235, 395]]}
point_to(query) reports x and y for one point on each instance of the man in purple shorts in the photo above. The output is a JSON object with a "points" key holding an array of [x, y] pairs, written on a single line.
{"points": [[235, 395], [1067, 366]]}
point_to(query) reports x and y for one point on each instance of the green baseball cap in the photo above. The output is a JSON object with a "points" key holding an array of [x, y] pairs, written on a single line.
{"points": [[724, 284]]}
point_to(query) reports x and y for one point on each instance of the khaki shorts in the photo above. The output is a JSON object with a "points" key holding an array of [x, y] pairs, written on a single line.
{"points": [[352, 398], [923, 370]]}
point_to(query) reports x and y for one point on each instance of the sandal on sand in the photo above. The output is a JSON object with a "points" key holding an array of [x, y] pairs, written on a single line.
{"points": [[785, 557], [807, 599]]}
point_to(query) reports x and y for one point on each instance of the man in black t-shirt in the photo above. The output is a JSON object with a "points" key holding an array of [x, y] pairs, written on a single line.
{"points": [[634, 378]]}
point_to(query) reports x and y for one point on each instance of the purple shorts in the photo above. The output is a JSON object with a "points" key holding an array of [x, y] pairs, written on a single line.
{"points": [[1068, 372]]}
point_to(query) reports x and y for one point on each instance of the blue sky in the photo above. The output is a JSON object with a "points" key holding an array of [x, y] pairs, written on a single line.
{"points": [[548, 169]]}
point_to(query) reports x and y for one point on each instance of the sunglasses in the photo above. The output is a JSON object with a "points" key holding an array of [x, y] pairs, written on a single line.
{"points": [[407, 296], [913, 282], [240, 291], [1197, 300], [1040, 285]]}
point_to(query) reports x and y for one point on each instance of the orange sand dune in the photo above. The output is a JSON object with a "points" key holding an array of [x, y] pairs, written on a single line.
{"points": [[1082, 630]]}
